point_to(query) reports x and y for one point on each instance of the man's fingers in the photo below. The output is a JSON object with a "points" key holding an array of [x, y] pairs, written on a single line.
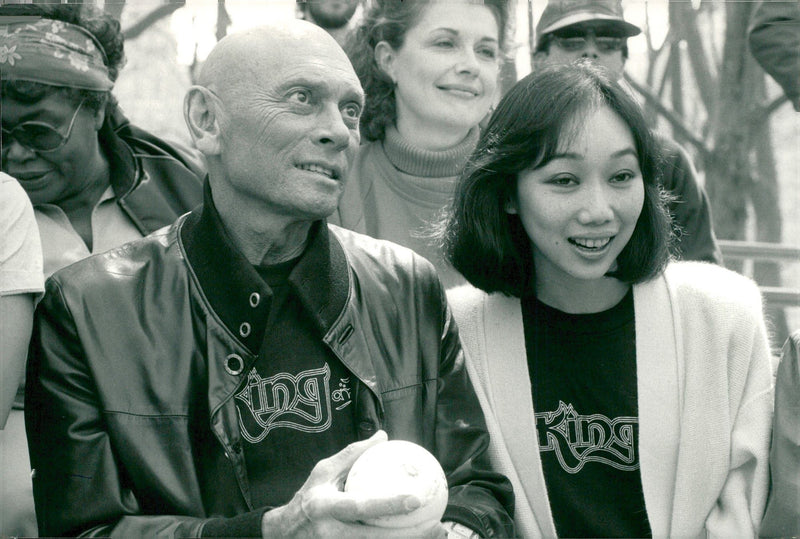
{"points": [[354, 509], [348, 508], [336, 466]]}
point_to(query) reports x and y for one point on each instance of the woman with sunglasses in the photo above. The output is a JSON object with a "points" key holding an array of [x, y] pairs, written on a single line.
{"points": [[429, 71], [627, 395], [95, 180]]}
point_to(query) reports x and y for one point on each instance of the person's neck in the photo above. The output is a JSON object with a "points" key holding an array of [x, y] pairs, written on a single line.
{"points": [[262, 237], [340, 34], [578, 296], [431, 137], [97, 181], [79, 208]]}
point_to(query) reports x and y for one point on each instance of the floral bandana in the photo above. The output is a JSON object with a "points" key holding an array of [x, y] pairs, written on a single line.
{"points": [[52, 52]]}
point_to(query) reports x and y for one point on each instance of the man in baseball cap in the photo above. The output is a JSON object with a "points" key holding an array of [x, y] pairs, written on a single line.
{"points": [[595, 30]]}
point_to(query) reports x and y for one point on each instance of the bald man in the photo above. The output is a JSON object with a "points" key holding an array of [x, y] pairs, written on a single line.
{"points": [[220, 377]]}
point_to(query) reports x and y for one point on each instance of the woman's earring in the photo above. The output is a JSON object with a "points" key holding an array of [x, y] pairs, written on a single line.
{"points": [[485, 120]]}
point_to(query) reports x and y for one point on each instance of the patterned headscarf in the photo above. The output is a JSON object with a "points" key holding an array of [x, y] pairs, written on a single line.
{"points": [[52, 52]]}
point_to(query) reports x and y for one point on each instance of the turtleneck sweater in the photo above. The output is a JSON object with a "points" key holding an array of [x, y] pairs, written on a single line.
{"points": [[396, 191]]}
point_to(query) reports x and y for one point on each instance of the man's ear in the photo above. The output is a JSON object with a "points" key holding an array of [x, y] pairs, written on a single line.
{"points": [[384, 57], [202, 119]]}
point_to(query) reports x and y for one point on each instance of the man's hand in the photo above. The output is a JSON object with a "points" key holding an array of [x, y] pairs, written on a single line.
{"points": [[321, 509]]}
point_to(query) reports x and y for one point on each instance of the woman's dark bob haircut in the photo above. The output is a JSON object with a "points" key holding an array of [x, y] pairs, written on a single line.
{"points": [[489, 246], [390, 21]]}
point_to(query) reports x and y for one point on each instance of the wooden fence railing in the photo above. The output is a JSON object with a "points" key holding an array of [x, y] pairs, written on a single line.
{"points": [[777, 296]]}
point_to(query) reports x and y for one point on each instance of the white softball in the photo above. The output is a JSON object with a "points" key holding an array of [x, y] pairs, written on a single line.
{"points": [[400, 467]]}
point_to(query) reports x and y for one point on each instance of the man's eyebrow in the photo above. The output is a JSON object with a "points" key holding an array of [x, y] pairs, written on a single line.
{"points": [[301, 80], [359, 95]]}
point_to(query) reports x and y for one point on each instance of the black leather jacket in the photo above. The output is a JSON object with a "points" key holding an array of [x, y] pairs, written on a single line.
{"points": [[154, 181], [137, 354]]}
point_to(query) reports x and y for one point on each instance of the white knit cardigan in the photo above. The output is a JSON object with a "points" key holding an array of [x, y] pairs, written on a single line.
{"points": [[705, 397]]}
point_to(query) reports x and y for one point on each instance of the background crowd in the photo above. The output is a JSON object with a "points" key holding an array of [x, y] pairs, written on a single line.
{"points": [[576, 243]]}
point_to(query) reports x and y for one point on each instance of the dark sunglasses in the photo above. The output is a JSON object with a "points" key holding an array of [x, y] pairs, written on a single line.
{"points": [[577, 42], [40, 137]]}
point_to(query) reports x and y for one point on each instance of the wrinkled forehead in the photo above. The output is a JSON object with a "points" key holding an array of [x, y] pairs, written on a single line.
{"points": [[261, 56], [286, 58]]}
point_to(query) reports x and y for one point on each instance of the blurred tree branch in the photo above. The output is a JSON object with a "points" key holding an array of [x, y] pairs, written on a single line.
{"points": [[137, 28], [674, 119], [114, 8]]}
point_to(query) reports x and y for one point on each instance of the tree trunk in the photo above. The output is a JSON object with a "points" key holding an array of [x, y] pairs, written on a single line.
{"points": [[728, 173], [684, 19], [223, 20], [766, 208], [508, 69]]}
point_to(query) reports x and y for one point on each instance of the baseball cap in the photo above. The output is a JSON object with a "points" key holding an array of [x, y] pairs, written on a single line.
{"points": [[562, 13]]}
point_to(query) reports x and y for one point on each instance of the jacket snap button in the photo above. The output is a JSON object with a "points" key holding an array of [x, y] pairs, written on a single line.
{"points": [[234, 364], [255, 299], [366, 425], [244, 329]]}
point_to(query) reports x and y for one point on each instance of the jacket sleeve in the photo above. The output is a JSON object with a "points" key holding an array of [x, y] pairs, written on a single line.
{"points": [[742, 499], [691, 210], [480, 498], [79, 487], [774, 37], [782, 517]]}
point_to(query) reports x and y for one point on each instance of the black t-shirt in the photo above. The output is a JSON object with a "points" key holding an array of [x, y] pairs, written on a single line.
{"points": [[296, 405], [583, 379]]}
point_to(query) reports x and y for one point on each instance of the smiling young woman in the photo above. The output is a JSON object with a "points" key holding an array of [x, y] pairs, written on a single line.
{"points": [[631, 373], [429, 70]]}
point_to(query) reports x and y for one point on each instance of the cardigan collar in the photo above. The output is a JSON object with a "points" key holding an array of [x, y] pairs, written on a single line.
{"points": [[659, 379], [238, 294], [416, 161]]}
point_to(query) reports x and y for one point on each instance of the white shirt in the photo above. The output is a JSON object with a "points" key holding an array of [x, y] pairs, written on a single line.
{"points": [[62, 245]]}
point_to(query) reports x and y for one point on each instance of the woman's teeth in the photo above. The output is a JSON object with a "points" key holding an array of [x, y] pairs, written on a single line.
{"points": [[590, 243]]}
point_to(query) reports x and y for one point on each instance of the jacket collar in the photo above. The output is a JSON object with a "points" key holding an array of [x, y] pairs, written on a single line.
{"points": [[238, 294], [121, 161]]}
